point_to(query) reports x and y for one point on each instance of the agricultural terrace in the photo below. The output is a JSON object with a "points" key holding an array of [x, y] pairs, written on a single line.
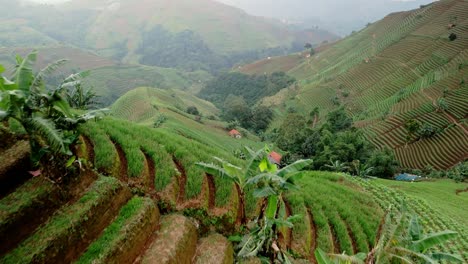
{"points": [[163, 161], [329, 203], [395, 70], [427, 207]]}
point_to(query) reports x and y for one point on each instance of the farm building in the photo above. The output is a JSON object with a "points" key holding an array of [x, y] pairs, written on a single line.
{"points": [[407, 177], [275, 158], [235, 134]]}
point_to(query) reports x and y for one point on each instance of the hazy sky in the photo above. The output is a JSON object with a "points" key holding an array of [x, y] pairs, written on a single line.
{"points": [[340, 16]]}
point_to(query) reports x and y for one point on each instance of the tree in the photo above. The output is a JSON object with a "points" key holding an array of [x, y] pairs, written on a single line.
{"points": [[308, 46], [384, 163], [292, 133], [314, 115], [193, 110], [442, 105], [452, 36], [339, 120], [312, 52], [261, 118], [412, 126], [236, 108], [427, 130]]}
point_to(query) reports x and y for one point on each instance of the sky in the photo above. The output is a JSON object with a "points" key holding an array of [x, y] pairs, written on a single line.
{"points": [[338, 16]]}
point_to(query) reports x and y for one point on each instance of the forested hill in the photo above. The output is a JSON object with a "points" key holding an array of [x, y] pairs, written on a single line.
{"points": [[186, 34], [402, 79]]}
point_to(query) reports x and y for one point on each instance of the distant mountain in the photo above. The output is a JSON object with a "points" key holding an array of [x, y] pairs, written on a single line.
{"points": [[410, 67], [187, 34], [339, 16]]}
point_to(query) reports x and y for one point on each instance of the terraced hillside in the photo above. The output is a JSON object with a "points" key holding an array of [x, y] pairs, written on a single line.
{"points": [[403, 67], [156, 205]]}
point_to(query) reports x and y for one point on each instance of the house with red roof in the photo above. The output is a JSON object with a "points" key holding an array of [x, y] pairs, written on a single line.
{"points": [[275, 158], [235, 134]]}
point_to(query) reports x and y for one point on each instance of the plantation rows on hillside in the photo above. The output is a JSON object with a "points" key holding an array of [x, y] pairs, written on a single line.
{"points": [[404, 67]]}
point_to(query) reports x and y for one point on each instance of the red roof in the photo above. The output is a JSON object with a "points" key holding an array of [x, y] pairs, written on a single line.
{"points": [[275, 157], [234, 132]]}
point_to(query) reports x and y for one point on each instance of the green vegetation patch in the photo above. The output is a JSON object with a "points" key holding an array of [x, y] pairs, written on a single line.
{"points": [[59, 227], [31, 194], [333, 201]]}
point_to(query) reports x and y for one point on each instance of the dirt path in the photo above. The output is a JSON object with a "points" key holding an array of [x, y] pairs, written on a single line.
{"points": [[89, 148], [151, 172], [212, 192], [123, 174], [313, 237], [182, 180]]}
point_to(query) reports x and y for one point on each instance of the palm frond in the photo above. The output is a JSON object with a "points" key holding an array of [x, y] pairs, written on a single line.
{"points": [[439, 256], [45, 71], [46, 129], [295, 167], [215, 170], [24, 73], [431, 240]]}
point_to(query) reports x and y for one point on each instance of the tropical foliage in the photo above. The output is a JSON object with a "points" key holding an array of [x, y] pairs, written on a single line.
{"points": [[45, 115]]}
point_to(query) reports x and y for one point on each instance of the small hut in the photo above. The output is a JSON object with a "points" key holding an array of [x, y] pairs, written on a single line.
{"points": [[235, 134]]}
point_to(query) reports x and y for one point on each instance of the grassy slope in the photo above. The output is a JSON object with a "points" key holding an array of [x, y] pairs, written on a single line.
{"points": [[144, 105], [439, 194], [410, 63]]}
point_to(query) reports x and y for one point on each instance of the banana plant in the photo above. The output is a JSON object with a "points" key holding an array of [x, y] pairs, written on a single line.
{"points": [[235, 174], [46, 116], [271, 184], [412, 245]]}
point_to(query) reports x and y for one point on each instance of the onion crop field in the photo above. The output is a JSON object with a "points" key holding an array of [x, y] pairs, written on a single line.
{"points": [[432, 218], [329, 204]]}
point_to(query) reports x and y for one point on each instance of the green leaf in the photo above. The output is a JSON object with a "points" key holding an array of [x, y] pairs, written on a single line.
{"points": [[63, 107], [295, 167], [439, 256], [2, 69], [46, 129], [264, 192], [70, 161], [44, 72], [3, 115], [24, 73], [431, 240], [272, 207], [415, 230], [322, 257]]}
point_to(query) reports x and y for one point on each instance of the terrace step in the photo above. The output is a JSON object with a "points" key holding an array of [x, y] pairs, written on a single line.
{"points": [[69, 232], [122, 240], [214, 249], [30, 205], [24, 210], [175, 242], [14, 166]]}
